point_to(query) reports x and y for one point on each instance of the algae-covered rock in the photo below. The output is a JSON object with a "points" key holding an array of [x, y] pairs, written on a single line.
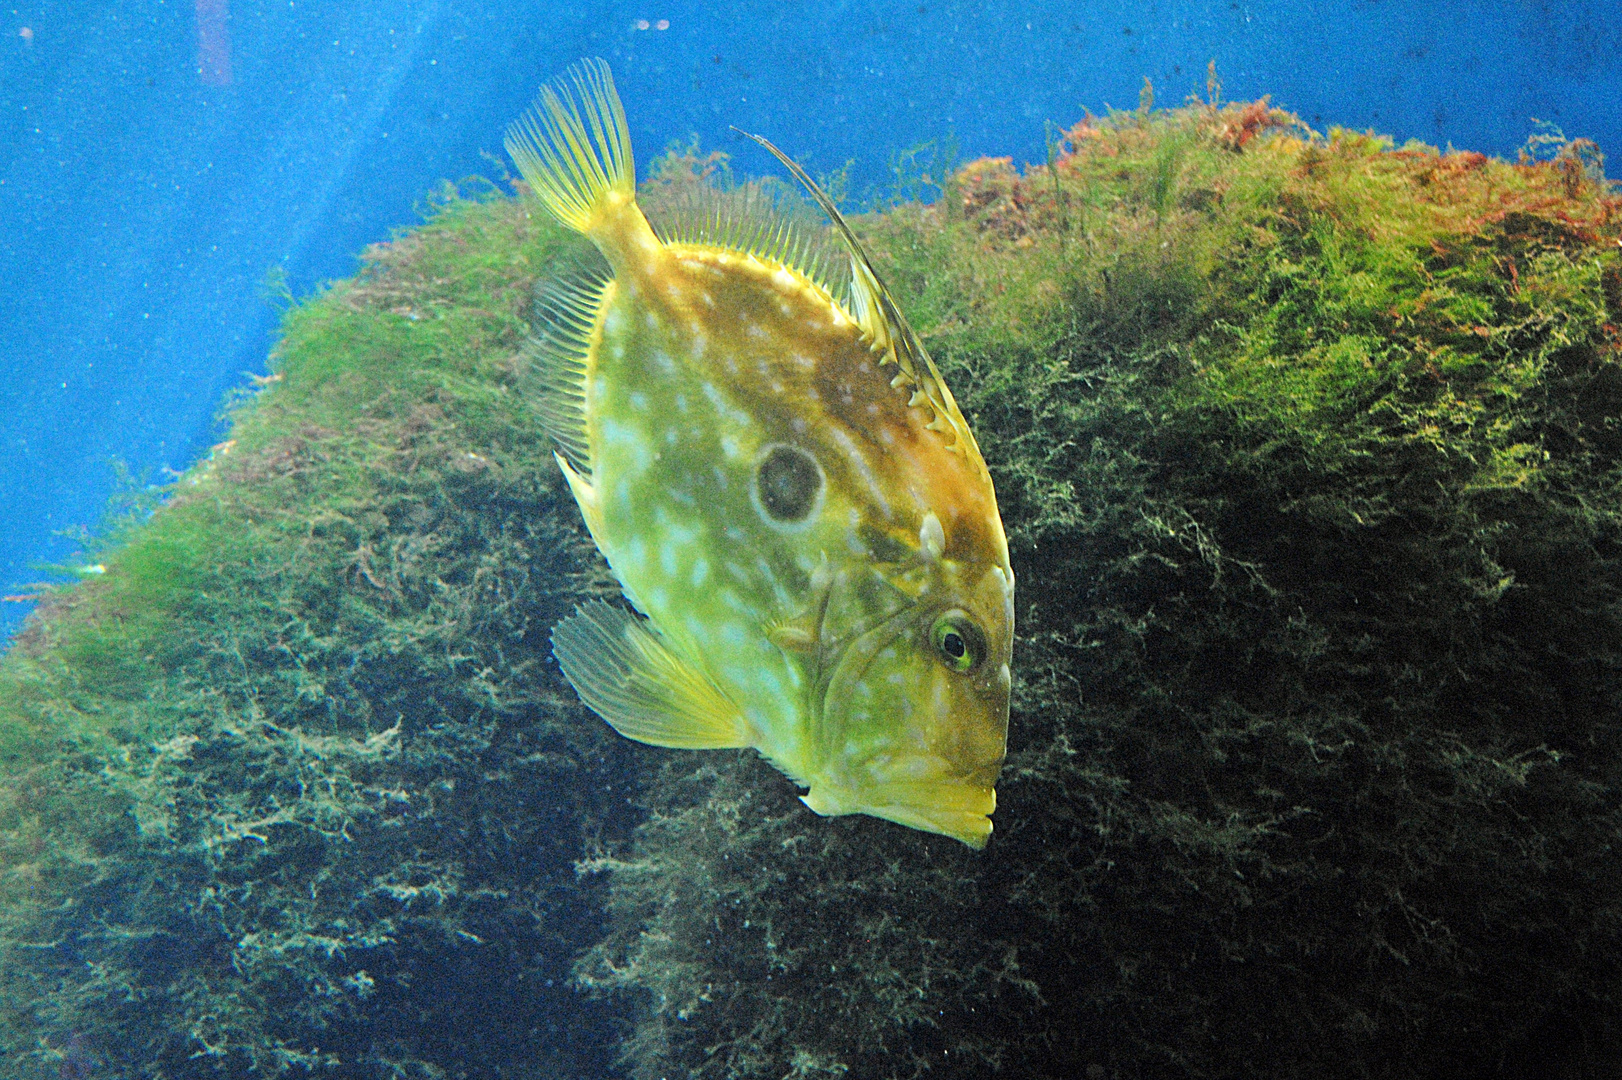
{"points": [[294, 786], [1308, 449]]}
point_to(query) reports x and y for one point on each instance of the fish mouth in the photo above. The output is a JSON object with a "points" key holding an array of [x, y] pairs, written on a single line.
{"points": [[948, 808], [914, 780]]}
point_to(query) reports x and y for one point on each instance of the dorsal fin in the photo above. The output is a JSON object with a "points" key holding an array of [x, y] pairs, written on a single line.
{"points": [[881, 319], [581, 176], [568, 303], [760, 218]]}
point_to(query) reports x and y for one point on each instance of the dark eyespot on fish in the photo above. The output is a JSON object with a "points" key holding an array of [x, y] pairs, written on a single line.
{"points": [[783, 485], [787, 484]]}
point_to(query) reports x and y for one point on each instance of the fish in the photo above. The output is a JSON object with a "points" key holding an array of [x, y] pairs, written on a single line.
{"points": [[779, 478]]}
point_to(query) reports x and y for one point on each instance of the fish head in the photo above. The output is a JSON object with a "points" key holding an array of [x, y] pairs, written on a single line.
{"points": [[913, 716]]}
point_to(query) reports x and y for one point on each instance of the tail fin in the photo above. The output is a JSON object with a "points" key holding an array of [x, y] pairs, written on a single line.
{"points": [[579, 176]]}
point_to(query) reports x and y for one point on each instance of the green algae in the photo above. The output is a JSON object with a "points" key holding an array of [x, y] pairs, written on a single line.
{"points": [[294, 785], [1306, 449], [1309, 456]]}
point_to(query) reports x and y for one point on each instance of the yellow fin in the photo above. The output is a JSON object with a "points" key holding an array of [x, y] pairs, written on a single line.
{"points": [[585, 495], [580, 176], [640, 687], [568, 305], [886, 327], [762, 218]]}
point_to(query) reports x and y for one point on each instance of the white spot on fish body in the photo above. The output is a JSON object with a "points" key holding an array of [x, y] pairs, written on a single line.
{"points": [[767, 574], [623, 436], [784, 280], [856, 457], [798, 424], [634, 556], [768, 681], [931, 537], [681, 403], [700, 572], [639, 401], [614, 321]]}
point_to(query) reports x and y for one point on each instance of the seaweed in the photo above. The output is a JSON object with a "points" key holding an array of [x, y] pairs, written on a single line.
{"points": [[1306, 447], [1308, 453], [294, 786]]}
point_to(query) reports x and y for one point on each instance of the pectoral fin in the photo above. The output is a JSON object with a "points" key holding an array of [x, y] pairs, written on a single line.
{"points": [[644, 691]]}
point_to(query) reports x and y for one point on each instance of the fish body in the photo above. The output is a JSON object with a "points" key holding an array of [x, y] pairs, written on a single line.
{"points": [[785, 489]]}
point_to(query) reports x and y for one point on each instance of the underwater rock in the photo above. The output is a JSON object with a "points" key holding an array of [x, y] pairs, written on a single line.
{"points": [[1309, 455], [295, 785]]}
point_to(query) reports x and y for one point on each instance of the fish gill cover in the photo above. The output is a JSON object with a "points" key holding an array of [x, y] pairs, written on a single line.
{"points": [[1308, 450]]}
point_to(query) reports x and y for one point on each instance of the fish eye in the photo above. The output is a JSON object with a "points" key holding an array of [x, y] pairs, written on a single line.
{"points": [[959, 643], [788, 483]]}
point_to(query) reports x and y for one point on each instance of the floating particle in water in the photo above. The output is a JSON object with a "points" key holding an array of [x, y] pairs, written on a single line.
{"points": [[27, 34]]}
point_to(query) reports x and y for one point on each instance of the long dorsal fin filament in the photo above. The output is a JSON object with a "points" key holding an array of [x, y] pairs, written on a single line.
{"points": [[879, 316]]}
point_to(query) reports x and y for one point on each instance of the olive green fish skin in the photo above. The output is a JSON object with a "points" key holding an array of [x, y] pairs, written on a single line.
{"points": [[698, 373], [810, 531]]}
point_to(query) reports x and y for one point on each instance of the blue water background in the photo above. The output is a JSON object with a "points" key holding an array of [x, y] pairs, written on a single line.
{"points": [[142, 209]]}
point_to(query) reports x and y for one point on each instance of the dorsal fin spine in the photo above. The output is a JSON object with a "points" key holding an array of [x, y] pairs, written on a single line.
{"points": [[746, 221], [882, 321]]}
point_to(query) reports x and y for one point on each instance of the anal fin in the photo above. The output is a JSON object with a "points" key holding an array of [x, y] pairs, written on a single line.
{"points": [[645, 692]]}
